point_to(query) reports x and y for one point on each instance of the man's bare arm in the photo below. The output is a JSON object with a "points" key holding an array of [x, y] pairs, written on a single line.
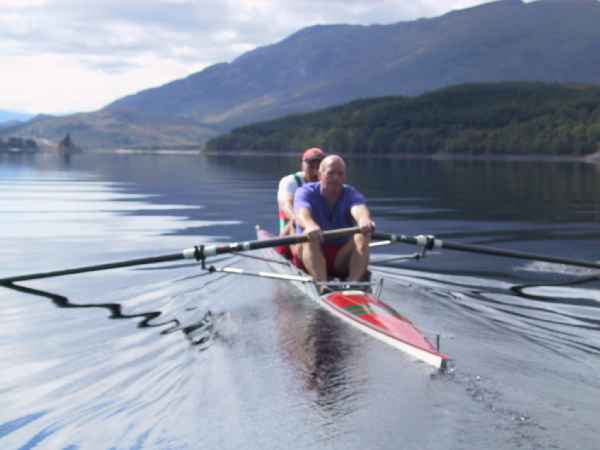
{"points": [[305, 219], [285, 202], [363, 218]]}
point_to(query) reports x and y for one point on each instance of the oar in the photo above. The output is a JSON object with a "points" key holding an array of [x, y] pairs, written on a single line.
{"points": [[430, 242], [199, 253]]}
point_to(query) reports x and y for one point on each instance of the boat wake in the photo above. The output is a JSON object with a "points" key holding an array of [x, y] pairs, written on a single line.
{"points": [[563, 318], [514, 346]]}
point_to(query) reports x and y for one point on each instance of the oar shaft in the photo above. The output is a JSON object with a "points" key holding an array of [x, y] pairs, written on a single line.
{"points": [[430, 242], [95, 268], [199, 253], [211, 250], [519, 255]]}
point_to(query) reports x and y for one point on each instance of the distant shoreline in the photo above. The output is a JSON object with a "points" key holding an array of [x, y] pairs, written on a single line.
{"points": [[593, 158], [134, 151]]}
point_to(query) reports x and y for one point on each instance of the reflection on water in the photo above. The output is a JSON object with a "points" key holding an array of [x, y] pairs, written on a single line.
{"points": [[541, 190], [317, 344]]}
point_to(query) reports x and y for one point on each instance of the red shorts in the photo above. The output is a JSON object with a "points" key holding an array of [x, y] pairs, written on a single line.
{"points": [[284, 251], [330, 252]]}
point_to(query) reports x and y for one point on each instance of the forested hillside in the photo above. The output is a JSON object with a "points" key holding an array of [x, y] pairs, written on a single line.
{"points": [[496, 118]]}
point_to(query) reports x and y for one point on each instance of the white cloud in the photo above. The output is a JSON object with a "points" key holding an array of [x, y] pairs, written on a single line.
{"points": [[20, 4], [61, 84], [72, 55]]}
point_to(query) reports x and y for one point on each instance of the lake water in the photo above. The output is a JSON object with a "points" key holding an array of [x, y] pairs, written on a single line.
{"points": [[170, 357]]}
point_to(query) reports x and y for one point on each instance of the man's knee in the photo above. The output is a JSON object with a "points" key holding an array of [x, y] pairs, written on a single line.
{"points": [[310, 249], [361, 242]]}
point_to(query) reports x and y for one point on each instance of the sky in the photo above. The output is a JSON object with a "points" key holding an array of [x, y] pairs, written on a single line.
{"points": [[64, 56]]}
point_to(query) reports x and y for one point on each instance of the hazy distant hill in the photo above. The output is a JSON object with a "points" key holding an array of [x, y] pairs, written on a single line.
{"points": [[547, 40], [11, 118], [10, 124], [476, 119], [12, 115], [103, 129]]}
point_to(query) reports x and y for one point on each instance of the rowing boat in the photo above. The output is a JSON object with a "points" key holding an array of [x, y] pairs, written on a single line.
{"points": [[359, 308]]}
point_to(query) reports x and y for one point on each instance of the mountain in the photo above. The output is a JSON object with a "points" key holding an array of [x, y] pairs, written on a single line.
{"points": [[6, 116], [10, 124], [12, 118], [508, 118], [320, 66], [103, 129]]}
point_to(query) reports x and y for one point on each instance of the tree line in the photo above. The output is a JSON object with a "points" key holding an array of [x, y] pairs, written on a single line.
{"points": [[473, 119], [11, 143]]}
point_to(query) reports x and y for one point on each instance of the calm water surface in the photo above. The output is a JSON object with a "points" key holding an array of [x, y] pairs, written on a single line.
{"points": [[169, 357]]}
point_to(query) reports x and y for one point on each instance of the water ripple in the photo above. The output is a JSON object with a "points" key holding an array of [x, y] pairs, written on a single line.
{"points": [[79, 379]]}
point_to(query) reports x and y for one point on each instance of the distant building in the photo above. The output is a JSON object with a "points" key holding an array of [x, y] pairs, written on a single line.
{"points": [[18, 145]]}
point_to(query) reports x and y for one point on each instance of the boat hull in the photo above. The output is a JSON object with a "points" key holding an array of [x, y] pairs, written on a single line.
{"points": [[363, 311]]}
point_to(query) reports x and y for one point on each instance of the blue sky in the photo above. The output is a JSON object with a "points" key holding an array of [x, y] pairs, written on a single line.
{"points": [[61, 56]]}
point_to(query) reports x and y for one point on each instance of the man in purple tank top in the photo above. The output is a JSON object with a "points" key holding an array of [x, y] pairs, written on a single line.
{"points": [[329, 204]]}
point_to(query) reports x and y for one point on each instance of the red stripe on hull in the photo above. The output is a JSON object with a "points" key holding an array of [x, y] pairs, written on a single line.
{"points": [[366, 309]]}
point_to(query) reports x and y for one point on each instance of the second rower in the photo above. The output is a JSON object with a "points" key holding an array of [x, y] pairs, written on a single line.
{"points": [[311, 158]]}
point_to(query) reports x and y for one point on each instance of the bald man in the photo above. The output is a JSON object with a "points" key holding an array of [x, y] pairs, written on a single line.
{"points": [[329, 204]]}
